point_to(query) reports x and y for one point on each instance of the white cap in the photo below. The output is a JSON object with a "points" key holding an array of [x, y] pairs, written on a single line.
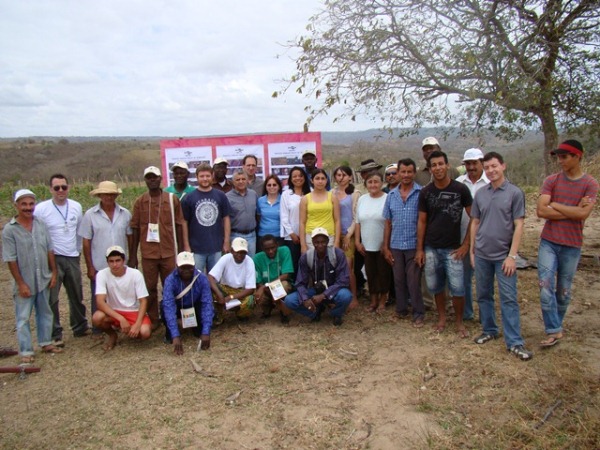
{"points": [[152, 169], [115, 248], [319, 231], [181, 165], [310, 151], [220, 161], [391, 166], [239, 245], [473, 154], [185, 259], [23, 193], [430, 141]]}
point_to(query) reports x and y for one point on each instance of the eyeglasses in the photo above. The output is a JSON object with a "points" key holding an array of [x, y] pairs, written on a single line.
{"points": [[390, 173], [62, 187]]}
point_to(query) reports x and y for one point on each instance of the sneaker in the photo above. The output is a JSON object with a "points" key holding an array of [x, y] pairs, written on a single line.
{"points": [[58, 343], [337, 321], [521, 352], [484, 337], [81, 334], [284, 319], [166, 340]]}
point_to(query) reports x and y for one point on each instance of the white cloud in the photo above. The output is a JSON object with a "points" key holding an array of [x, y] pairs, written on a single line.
{"points": [[174, 68]]}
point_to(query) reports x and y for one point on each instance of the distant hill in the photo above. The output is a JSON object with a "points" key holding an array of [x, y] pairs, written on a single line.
{"points": [[33, 159]]}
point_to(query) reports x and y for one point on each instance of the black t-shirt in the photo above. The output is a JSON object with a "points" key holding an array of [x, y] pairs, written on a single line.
{"points": [[444, 212]]}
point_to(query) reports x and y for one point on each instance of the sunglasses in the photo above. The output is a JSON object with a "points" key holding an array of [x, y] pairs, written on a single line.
{"points": [[62, 187], [390, 173]]}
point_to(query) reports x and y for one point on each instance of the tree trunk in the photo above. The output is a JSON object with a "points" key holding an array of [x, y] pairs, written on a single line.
{"points": [[550, 137]]}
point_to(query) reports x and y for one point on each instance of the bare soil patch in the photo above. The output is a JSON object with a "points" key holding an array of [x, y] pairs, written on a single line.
{"points": [[372, 383]]}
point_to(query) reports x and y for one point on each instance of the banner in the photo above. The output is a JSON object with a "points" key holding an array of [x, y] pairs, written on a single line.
{"points": [[276, 153]]}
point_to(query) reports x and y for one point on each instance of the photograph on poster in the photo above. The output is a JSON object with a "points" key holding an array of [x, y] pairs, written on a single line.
{"points": [[285, 155], [234, 154], [192, 156]]}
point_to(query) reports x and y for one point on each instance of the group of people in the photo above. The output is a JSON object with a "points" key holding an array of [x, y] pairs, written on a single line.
{"points": [[227, 246]]}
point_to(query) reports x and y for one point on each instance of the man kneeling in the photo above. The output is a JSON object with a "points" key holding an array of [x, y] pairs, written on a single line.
{"points": [[122, 300], [323, 280], [187, 295]]}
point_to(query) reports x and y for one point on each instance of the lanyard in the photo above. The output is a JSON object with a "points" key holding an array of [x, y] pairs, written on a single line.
{"points": [[150, 208], [315, 261], [64, 217]]}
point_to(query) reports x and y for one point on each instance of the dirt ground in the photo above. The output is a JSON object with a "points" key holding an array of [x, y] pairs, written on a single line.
{"points": [[372, 383]]}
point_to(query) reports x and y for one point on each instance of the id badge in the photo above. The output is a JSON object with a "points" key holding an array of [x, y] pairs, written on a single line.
{"points": [[188, 318], [153, 235]]}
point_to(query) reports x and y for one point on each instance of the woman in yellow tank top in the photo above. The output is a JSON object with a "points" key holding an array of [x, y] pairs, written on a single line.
{"points": [[319, 209]]}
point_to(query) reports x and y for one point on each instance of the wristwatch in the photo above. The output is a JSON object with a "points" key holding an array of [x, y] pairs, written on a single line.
{"points": [[513, 257]]}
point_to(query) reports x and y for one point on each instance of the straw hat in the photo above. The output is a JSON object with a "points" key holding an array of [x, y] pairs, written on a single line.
{"points": [[106, 187]]}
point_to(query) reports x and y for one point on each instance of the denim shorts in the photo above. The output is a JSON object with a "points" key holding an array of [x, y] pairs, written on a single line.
{"points": [[442, 268]]}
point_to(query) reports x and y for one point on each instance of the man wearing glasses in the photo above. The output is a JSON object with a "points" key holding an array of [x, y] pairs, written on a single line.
{"points": [[391, 177], [62, 217]]}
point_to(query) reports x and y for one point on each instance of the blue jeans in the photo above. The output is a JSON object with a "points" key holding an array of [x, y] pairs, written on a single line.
{"points": [[557, 265], [468, 313], [206, 261], [250, 238], [340, 301], [485, 270], [441, 267], [43, 321]]}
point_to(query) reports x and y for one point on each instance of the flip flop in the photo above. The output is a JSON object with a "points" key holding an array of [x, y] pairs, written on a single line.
{"points": [[463, 333], [419, 323], [27, 359], [550, 342], [51, 349], [439, 328]]}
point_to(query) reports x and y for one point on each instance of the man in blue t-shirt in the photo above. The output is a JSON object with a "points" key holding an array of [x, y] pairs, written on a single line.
{"points": [[207, 212]]}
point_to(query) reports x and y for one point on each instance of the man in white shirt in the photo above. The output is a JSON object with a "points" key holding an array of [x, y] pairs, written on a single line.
{"points": [[234, 278], [474, 179], [121, 299], [62, 217]]}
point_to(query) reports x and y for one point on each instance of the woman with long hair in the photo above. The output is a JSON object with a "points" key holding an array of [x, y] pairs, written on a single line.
{"points": [[320, 208], [348, 197], [268, 210], [298, 187], [368, 237]]}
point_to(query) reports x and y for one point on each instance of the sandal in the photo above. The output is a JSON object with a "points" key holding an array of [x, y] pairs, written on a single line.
{"points": [[463, 333], [419, 323], [51, 349], [439, 328], [552, 340], [27, 359], [484, 337]]}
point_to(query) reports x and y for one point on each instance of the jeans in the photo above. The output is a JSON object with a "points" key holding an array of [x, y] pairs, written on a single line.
{"points": [[250, 238], [557, 265], [407, 278], [485, 270], [441, 267], [340, 302], [206, 261], [69, 275], [468, 313], [43, 321]]}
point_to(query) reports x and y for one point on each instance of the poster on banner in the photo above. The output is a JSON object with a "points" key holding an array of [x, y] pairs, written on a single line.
{"points": [[192, 156], [234, 154], [277, 153]]}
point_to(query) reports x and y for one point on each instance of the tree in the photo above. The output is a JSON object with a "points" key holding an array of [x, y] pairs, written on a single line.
{"points": [[500, 65]]}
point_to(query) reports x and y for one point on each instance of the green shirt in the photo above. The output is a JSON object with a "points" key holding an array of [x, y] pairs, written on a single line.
{"points": [[270, 269], [171, 189]]}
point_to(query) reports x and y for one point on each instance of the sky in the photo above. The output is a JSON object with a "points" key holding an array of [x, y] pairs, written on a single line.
{"points": [[178, 68]]}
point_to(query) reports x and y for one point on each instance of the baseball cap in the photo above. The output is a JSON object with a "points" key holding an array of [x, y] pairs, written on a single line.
{"points": [[185, 259], [220, 161], [115, 248], [570, 146], [473, 154], [319, 231], [430, 141], [152, 169], [310, 151], [391, 166], [181, 165], [23, 193], [239, 245]]}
